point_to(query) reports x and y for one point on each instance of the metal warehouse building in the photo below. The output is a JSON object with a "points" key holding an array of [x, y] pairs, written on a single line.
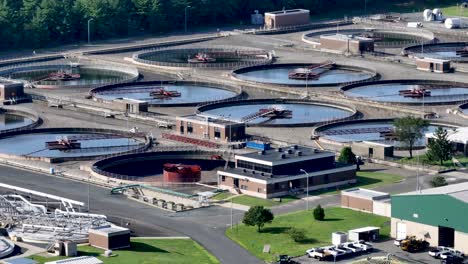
{"points": [[439, 215]]}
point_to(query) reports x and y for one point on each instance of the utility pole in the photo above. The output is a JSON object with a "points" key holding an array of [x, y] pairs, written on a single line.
{"points": [[89, 33], [187, 7], [89, 190], [307, 189]]}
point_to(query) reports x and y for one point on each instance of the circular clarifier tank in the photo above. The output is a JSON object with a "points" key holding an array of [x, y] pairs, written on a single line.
{"points": [[454, 51], [280, 74], [69, 143], [374, 130], [59, 74], [151, 165], [270, 112], [167, 93], [409, 91], [10, 121]]}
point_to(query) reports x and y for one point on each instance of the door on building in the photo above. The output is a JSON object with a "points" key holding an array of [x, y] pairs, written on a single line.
{"points": [[431, 67], [400, 231], [446, 236], [236, 183], [371, 152]]}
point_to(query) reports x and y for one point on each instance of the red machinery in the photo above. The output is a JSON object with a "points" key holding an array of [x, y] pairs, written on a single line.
{"points": [[62, 76], [181, 173], [415, 92], [63, 143], [163, 94], [310, 72], [201, 58]]}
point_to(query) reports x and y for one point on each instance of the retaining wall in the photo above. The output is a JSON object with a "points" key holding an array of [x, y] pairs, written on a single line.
{"points": [[36, 120]]}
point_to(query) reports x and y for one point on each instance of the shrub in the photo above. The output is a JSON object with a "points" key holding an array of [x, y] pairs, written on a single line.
{"points": [[319, 213], [297, 234]]}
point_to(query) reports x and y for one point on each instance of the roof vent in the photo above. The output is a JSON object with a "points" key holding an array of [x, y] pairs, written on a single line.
{"points": [[295, 147], [316, 151], [244, 170], [290, 151], [283, 156], [299, 153], [263, 174], [253, 172], [279, 149]]}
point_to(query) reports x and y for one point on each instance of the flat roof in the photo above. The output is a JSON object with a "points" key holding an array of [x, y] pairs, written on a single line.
{"points": [[458, 191], [8, 81], [460, 135], [107, 230], [77, 260], [211, 119], [287, 12], [433, 60], [364, 229], [284, 155], [20, 261], [366, 193]]}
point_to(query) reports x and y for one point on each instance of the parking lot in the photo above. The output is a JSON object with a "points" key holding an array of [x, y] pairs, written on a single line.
{"points": [[380, 249]]}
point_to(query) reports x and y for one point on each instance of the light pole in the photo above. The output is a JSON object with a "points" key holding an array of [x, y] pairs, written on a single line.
{"points": [[187, 7], [89, 190], [89, 34], [307, 189]]}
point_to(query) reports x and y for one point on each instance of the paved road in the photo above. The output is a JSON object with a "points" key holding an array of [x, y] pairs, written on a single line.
{"points": [[142, 218]]}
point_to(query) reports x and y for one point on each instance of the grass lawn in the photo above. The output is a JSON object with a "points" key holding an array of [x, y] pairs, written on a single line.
{"points": [[149, 251], [366, 179], [455, 11], [222, 195], [318, 233], [423, 160], [252, 201]]}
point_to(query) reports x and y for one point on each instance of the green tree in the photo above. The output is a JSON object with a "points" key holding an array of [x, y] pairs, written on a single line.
{"points": [[319, 213], [438, 181], [258, 216], [347, 156], [297, 234], [409, 130], [439, 147]]}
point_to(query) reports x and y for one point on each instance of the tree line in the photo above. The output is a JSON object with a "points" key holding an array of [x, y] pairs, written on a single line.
{"points": [[41, 23]]}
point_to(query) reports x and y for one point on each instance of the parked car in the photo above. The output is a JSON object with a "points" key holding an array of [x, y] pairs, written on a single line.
{"points": [[451, 252], [352, 247], [366, 247], [452, 259], [321, 253], [338, 253], [435, 253], [284, 259]]}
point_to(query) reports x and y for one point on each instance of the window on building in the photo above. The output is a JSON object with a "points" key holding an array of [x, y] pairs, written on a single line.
{"points": [[223, 178], [277, 186], [182, 129], [189, 128], [217, 132], [259, 190], [244, 187]]}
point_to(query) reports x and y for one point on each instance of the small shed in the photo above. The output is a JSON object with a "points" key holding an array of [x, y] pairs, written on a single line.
{"points": [[286, 18], [433, 65], [113, 237], [370, 233], [369, 149]]}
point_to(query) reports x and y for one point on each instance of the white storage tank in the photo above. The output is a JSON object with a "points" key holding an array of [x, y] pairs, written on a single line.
{"points": [[437, 14], [452, 23], [339, 238], [428, 16]]}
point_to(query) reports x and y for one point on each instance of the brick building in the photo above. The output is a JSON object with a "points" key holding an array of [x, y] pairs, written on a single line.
{"points": [[366, 200], [349, 44], [433, 65], [11, 90], [278, 172], [210, 128], [286, 18]]}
